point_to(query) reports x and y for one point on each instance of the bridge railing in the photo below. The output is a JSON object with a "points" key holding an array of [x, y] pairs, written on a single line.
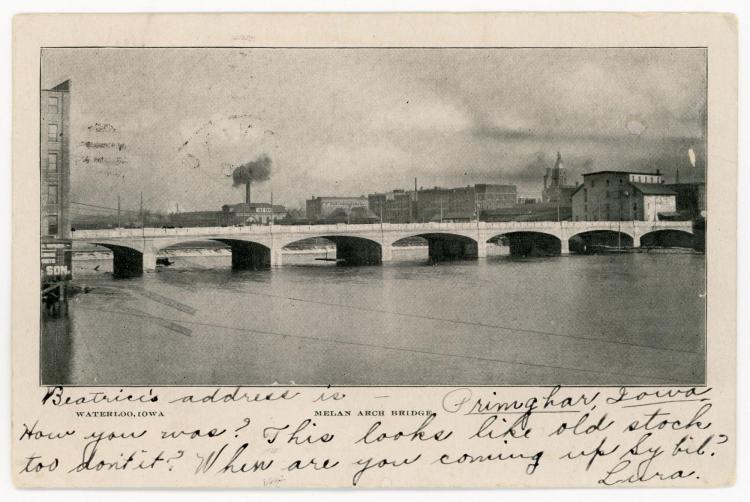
{"points": [[116, 233]]}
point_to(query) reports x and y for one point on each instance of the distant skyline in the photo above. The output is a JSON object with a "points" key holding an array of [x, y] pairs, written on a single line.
{"points": [[356, 121]]}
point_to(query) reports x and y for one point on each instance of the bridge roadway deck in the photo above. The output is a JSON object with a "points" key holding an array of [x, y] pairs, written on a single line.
{"points": [[273, 238]]}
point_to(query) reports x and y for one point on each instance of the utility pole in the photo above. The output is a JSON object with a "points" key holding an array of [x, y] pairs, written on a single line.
{"points": [[416, 201], [413, 204], [118, 210], [619, 218], [140, 210], [476, 205]]}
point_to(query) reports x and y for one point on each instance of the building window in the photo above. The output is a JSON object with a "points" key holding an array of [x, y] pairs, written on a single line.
{"points": [[607, 182], [52, 132], [52, 162], [53, 104], [52, 224], [51, 194], [592, 183]]}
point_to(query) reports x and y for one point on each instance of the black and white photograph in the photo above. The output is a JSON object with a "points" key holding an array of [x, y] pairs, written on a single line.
{"points": [[385, 216]]}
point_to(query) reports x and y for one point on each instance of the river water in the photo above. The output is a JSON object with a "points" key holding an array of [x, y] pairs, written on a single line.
{"points": [[632, 319]]}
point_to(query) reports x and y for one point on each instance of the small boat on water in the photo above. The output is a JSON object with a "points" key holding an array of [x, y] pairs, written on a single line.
{"points": [[164, 262], [603, 249]]}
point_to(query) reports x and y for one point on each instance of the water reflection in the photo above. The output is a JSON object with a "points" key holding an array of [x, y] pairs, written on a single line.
{"points": [[585, 320], [56, 348]]}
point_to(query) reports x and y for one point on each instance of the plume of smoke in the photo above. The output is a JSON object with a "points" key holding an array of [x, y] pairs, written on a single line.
{"points": [[254, 171]]}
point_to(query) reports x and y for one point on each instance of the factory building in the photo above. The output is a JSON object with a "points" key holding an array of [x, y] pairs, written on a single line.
{"points": [[622, 196], [320, 208], [441, 204]]}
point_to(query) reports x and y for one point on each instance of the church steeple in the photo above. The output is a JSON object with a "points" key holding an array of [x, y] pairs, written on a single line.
{"points": [[558, 173]]}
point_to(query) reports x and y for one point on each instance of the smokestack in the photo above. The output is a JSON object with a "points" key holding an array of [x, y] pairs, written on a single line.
{"points": [[258, 170]]}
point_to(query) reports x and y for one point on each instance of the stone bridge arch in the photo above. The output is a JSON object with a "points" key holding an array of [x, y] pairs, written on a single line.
{"points": [[131, 257], [351, 249], [248, 252], [582, 242], [446, 245], [530, 242], [668, 237], [127, 260]]}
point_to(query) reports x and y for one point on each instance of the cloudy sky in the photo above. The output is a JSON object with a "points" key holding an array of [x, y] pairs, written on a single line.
{"points": [[352, 122]]}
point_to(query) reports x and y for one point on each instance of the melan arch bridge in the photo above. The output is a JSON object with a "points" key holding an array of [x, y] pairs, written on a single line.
{"points": [[135, 249]]}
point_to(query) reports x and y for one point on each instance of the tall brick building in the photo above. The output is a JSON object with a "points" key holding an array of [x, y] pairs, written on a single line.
{"points": [[55, 161], [54, 167]]}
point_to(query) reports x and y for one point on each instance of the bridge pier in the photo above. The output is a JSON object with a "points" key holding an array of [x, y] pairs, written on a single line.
{"points": [[149, 260], [386, 252], [276, 257], [636, 241], [564, 247], [481, 249]]}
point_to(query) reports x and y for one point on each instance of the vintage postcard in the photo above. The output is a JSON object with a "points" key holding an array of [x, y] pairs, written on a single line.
{"points": [[383, 250]]}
